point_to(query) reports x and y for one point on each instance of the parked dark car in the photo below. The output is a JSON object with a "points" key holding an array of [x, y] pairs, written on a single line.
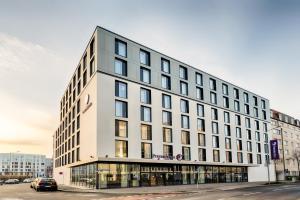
{"points": [[45, 184]]}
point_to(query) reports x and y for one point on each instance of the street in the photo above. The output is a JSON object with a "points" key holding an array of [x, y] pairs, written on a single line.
{"points": [[280, 192]]}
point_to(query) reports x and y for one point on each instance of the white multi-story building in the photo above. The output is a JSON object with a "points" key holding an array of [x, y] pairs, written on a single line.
{"points": [[19, 164], [132, 116], [286, 130]]}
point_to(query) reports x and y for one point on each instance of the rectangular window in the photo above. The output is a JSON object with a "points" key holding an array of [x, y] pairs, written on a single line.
{"points": [[121, 148], [201, 139], [185, 137], [263, 104], [225, 102], [249, 146], [167, 150], [246, 108], [250, 158], [214, 114], [246, 97], [145, 114], [145, 57], [227, 143], [212, 84], [215, 128], [247, 120], [200, 110], [237, 106], [146, 132], [165, 65], [145, 75], [78, 138], [183, 73], [92, 47], [255, 100], [167, 135], [146, 150], [84, 78], [201, 125], [166, 101], [237, 120], [240, 157], [120, 48], [213, 98], [121, 89], [84, 61], [228, 156], [78, 154], [167, 118], [166, 82], [121, 128], [216, 155], [239, 145], [186, 153], [226, 117], [199, 93], [120, 67], [248, 134], [202, 154], [225, 89], [121, 109], [199, 79], [258, 159], [257, 136], [183, 88], [215, 141], [184, 106], [145, 96], [238, 131], [227, 131], [236, 93], [185, 122], [264, 114], [255, 112], [92, 67]]}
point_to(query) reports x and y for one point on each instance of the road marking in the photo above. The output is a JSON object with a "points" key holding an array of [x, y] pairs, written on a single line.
{"points": [[248, 194]]}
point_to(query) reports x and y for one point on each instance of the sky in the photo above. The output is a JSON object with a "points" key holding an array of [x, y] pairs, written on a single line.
{"points": [[252, 43]]}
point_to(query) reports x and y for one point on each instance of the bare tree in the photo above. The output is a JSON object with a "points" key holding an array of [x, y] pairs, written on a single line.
{"points": [[296, 156]]}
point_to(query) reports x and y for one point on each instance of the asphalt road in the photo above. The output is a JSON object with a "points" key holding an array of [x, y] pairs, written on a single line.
{"points": [[273, 192]]}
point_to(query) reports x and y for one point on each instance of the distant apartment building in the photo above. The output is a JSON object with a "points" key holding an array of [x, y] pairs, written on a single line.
{"points": [[131, 116], [27, 165], [286, 130]]}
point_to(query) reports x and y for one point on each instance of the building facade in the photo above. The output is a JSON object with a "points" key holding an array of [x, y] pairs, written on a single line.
{"points": [[286, 130], [132, 116], [25, 165]]}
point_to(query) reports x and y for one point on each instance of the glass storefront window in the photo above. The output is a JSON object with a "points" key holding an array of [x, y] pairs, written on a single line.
{"points": [[124, 175]]}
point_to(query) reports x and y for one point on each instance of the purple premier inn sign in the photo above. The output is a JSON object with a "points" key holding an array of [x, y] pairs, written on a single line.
{"points": [[274, 149]]}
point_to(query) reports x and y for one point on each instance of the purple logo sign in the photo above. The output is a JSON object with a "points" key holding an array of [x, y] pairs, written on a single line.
{"points": [[274, 149]]}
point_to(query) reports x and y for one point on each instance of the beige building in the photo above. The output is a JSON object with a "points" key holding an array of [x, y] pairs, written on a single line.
{"points": [[286, 130]]}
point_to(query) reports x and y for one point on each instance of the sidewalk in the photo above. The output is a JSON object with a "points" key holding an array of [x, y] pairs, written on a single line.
{"points": [[165, 189]]}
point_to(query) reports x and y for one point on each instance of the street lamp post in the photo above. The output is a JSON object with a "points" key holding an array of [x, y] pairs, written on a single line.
{"points": [[283, 157]]}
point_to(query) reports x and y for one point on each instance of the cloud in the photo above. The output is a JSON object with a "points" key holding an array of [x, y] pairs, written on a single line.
{"points": [[29, 78]]}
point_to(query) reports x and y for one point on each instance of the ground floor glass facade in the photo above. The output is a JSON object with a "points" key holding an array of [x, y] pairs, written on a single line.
{"points": [[123, 175]]}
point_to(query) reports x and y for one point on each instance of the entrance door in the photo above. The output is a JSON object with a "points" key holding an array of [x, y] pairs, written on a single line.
{"points": [[158, 179]]}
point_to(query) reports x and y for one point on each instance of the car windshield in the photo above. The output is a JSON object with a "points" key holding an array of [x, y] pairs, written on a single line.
{"points": [[47, 180]]}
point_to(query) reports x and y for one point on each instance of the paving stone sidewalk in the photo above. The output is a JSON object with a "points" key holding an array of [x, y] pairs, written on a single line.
{"points": [[165, 189]]}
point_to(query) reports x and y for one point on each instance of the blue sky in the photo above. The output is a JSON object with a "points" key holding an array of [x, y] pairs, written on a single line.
{"points": [[252, 43]]}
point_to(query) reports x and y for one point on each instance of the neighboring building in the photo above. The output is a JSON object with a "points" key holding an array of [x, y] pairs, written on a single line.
{"points": [[132, 116], [286, 130], [19, 164], [49, 167]]}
